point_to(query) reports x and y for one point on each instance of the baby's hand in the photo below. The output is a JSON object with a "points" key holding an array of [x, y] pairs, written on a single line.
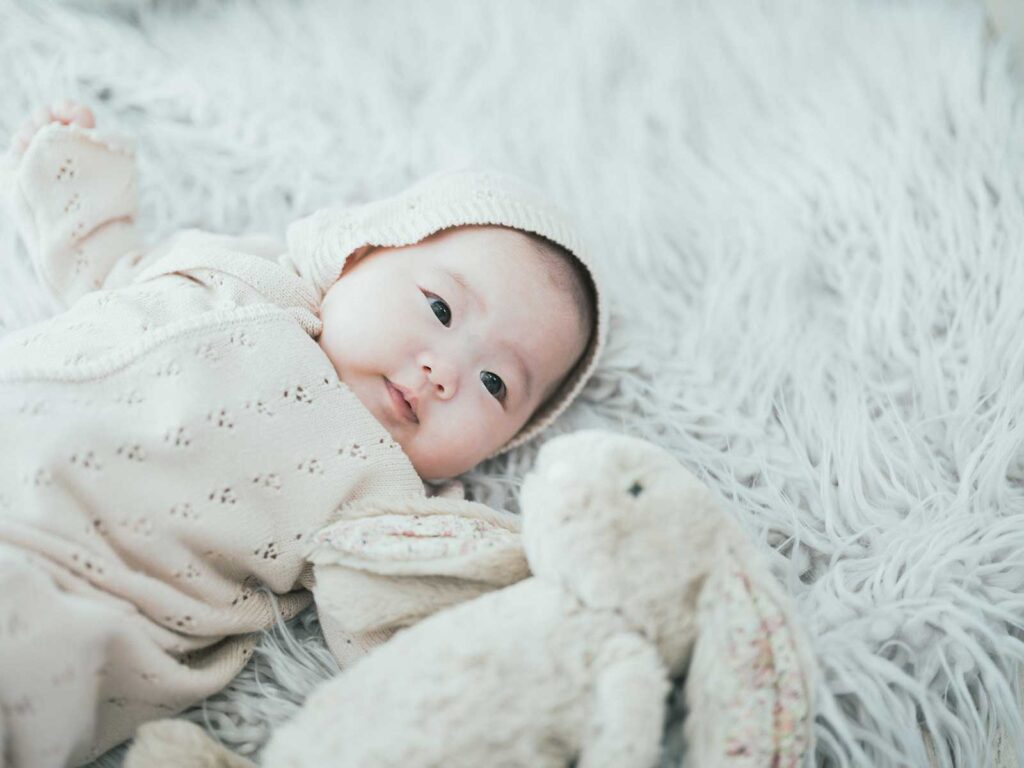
{"points": [[66, 112]]}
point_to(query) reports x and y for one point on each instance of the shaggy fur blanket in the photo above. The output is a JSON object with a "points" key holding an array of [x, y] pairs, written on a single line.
{"points": [[815, 212]]}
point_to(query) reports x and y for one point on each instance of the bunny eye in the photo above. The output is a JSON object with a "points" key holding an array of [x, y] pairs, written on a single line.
{"points": [[636, 489]]}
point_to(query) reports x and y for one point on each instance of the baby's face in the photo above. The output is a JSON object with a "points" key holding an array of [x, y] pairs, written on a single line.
{"points": [[478, 359]]}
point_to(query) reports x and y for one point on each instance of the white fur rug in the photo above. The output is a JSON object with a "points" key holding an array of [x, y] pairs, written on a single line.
{"points": [[815, 213]]}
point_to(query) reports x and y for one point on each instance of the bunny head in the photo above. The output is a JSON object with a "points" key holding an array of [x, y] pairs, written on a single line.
{"points": [[623, 526]]}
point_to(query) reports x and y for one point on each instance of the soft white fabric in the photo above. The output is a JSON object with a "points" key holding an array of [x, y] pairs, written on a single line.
{"points": [[814, 216]]}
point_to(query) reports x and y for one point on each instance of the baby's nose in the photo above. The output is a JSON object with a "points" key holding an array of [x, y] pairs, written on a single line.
{"points": [[443, 377]]}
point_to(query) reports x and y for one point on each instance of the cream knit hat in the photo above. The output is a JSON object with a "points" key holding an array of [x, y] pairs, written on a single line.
{"points": [[329, 236]]}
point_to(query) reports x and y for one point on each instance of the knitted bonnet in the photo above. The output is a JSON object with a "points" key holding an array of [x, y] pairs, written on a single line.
{"points": [[328, 237]]}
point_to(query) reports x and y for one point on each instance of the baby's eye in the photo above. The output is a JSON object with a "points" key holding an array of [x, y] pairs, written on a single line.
{"points": [[494, 384], [446, 310]]}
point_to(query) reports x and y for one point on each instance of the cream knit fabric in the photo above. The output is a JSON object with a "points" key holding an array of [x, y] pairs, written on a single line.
{"points": [[171, 442]]}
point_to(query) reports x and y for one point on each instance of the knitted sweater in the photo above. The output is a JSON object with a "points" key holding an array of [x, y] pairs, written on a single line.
{"points": [[170, 444]]}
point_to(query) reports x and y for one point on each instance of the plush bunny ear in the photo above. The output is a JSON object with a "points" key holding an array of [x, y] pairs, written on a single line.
{"points": [[389, 562], [751, 677], [436, 536]]}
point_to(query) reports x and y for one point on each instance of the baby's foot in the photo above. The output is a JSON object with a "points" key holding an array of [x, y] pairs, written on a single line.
{"points": [[66, 112]]}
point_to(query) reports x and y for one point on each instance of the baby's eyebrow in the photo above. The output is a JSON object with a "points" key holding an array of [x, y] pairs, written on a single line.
{"points": [[528, 380], [463, 283]]}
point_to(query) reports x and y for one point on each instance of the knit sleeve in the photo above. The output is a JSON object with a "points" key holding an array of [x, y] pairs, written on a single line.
{"points": [[389, 563], [74, 198]]}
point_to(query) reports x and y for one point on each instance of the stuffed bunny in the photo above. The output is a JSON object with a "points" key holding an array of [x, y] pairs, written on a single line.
{"points": [[637, 574]]}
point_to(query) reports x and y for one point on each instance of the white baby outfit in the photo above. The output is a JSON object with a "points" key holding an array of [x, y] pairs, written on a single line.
{"points": [[172, 441]]}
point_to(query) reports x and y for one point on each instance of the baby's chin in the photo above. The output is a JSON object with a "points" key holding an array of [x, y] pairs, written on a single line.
{"points": [[430, 468], [436, 468], [432, 463], [427, 465]]}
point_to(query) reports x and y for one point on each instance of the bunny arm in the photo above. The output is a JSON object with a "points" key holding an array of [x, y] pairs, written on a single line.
{"points": [[628, 706], [75, 201], [389, 562]]}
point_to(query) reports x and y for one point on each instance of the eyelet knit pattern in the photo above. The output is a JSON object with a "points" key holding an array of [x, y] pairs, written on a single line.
{"points": [[167, 448], [68, 220]]}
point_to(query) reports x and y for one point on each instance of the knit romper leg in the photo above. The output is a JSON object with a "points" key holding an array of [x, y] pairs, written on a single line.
{"points": [[53, 647], [81, 669]]}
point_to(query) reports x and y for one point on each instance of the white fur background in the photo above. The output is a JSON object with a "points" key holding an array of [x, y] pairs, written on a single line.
{"points": [[815, 216]]}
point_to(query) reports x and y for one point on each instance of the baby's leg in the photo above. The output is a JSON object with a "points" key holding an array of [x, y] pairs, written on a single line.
{"points": [[81, 669], [52, 652], [56, 646]]}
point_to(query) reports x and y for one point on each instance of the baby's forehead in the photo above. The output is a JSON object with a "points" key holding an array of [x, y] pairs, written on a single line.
{"points": [[496, 246], [474, 254], [495, 234]]}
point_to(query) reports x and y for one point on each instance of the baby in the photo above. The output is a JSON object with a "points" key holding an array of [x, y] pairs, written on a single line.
{"points": [[474, 326], [173, 440]]}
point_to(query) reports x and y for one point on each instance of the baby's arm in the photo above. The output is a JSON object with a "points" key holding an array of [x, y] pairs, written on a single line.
{"points": [[74, 197]]}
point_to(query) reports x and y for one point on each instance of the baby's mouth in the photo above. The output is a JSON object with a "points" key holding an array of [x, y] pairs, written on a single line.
{"points": [[399, 404]]}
